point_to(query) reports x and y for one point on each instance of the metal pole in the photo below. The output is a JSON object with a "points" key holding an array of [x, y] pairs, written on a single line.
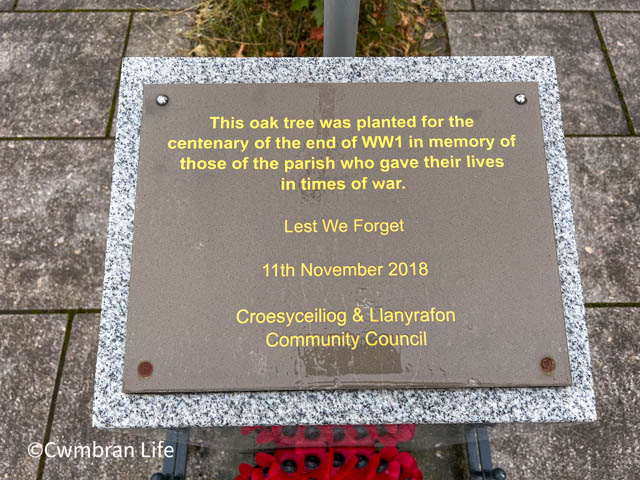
{"points": [[340, 27]]}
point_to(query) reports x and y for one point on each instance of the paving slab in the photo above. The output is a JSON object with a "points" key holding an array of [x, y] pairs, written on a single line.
{"points": [[557, 5], [72, 419], [605, 192], [159, 35], [53, 222], [30, 347], [156, 34], [590, 104], [622, 37], [67, 65], [457, 5], [608, 448], [103, 4], [6, 4]]}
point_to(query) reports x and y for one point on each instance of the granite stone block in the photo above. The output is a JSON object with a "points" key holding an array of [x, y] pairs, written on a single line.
{"points": [[622, 37], [67, 66], [6, 4], [557, 5], [608, 448], [30, 347], [604, 176], [590, 104], [72, 418], [104, 4], [53, 222], [115, 409]]}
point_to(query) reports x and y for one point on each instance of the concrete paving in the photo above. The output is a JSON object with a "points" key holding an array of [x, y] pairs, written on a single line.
{"points": [[72, 419], [102, 4], [451, 5], [156, 34], [30, 347], [605, 191], [590, 5], [608, 448], [58, 79], [622, 37], [67, 64], [590, 104], [54, 213]]}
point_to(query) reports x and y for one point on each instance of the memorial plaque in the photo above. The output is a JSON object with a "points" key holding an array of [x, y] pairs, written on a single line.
{"points": [[323, 236]]}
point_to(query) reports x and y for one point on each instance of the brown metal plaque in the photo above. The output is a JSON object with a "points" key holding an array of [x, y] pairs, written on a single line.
{"points": [[326, 236]]}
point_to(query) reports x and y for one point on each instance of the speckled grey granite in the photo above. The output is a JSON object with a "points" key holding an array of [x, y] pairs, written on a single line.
{"points": [[113, 408]]}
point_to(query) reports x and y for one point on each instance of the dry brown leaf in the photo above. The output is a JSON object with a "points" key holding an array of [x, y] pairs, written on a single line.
{"points": [[240, 52], [200, 51], [317, 34], [301, 48], [404, 19]]}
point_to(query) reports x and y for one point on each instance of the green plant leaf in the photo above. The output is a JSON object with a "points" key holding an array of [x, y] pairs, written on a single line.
{"points": [[318, 12], [391, 15], [297, 5]]}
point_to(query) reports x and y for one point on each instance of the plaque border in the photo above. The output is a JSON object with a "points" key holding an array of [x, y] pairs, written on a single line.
{"points": [[112, 408]]}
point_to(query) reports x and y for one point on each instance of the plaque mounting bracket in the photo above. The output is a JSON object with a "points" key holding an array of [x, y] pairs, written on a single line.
{"points": [[479, 454], [175, 467]]}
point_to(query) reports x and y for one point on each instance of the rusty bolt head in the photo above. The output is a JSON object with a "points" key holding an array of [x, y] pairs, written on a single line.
{"points": [[548, 364], [145, 369]]}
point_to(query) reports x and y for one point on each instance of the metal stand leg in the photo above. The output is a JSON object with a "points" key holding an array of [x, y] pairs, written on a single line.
{"points": [[175, 467], [479, 454], [340, 27]]}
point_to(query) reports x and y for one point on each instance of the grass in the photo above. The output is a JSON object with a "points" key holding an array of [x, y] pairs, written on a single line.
{"points": [[290, 28]]}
